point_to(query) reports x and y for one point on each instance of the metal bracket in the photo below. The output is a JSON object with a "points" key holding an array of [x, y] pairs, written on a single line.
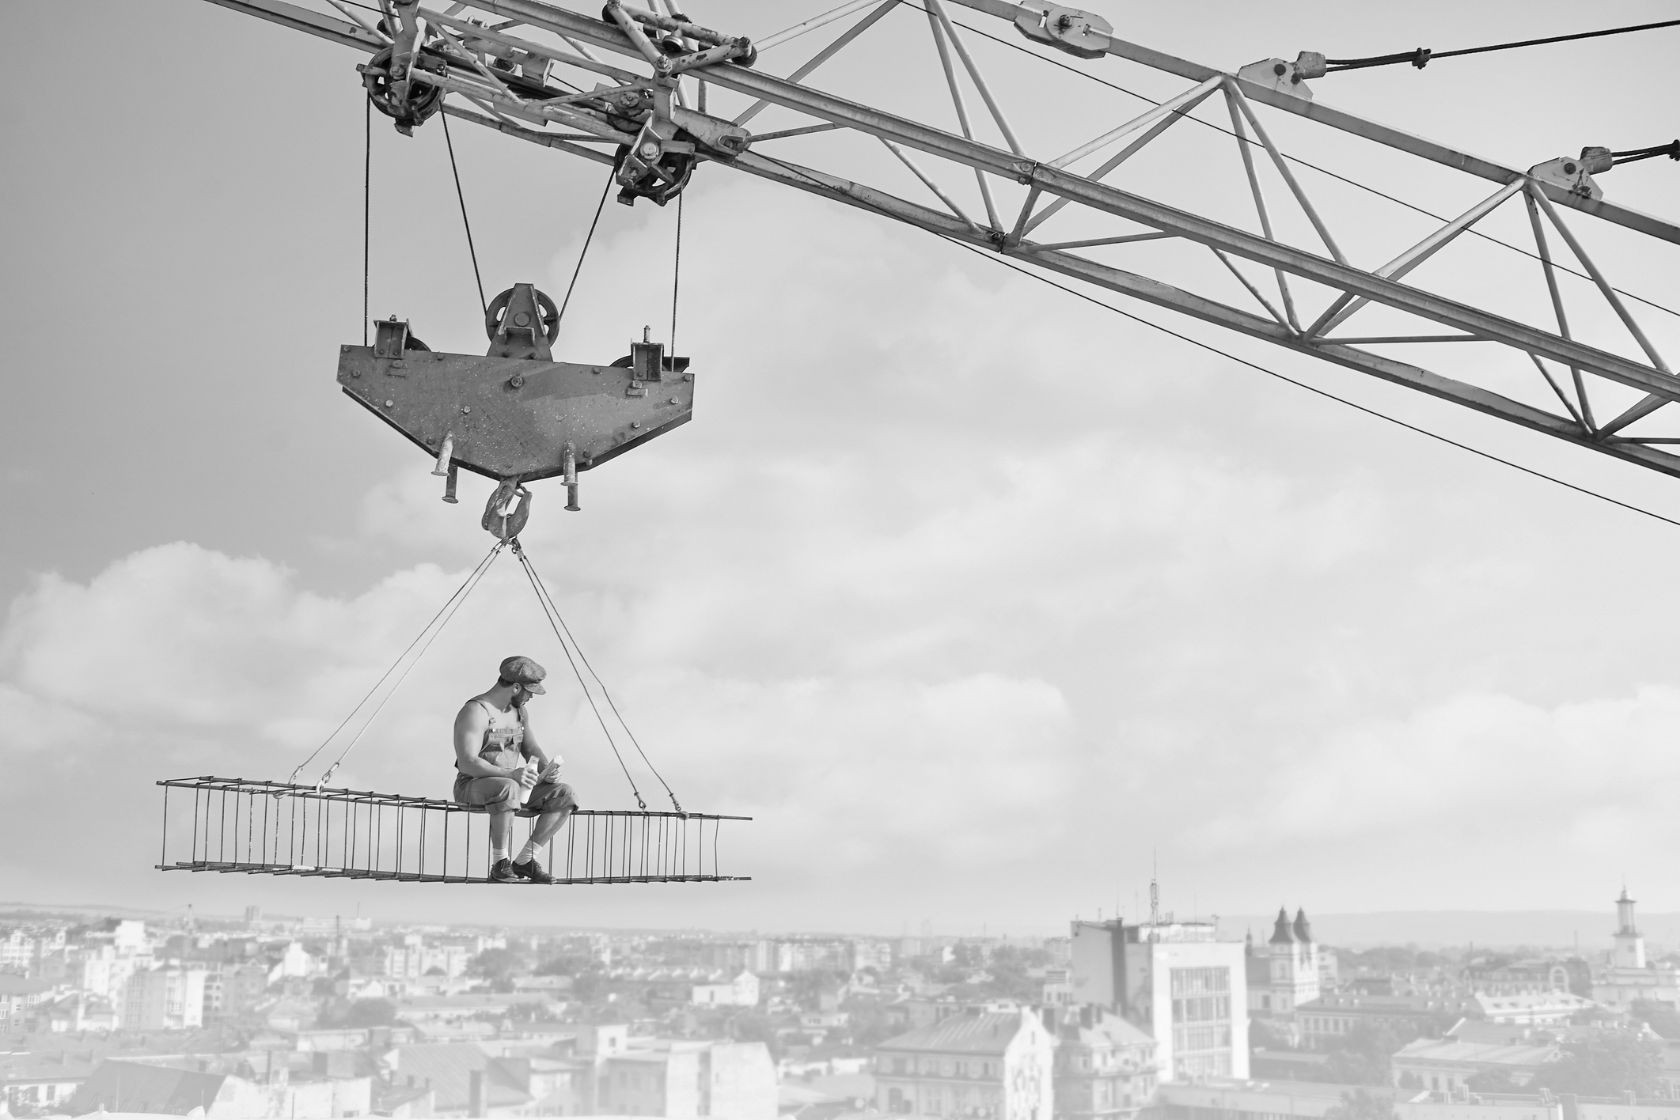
{"points": [[1067, 29], [1575, 174], [390, 337], [1286, 77]]}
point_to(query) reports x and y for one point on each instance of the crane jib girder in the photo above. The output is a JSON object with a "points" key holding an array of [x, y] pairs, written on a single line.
{"points": [[607, 35], [1360, 126], [1354, 281], [1112, 200], [1166, 295]]}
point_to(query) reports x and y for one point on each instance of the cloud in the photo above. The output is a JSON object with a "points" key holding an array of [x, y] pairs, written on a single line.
{"points": [[1601, 774]]}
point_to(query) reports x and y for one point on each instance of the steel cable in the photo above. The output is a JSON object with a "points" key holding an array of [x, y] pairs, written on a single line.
{"points": [[1422, 55], [1297, 160], [1011, 265], [457, 597], [583, 252], [564, 633], [454, 170], [549, 614]]}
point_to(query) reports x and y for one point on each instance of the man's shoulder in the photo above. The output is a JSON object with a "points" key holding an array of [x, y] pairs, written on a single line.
{"points": [[473, 709]]}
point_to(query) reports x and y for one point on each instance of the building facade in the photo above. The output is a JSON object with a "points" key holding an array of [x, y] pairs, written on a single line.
{"points": [[1175, 980], [1630, 977], [984, 1064], [165, 998], [1105, 1066], [1288, 970]]}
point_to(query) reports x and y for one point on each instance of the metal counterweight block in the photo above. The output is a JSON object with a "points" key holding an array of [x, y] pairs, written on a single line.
{"points": [[513, 417]]}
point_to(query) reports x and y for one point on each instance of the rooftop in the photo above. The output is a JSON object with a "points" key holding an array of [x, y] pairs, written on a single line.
{"points": [[960, 1034], [1520, 1054]]}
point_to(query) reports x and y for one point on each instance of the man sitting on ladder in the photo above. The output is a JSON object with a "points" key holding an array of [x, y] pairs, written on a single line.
{"points": [[504, 771]]}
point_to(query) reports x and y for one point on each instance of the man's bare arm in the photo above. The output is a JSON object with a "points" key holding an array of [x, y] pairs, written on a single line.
{"points": [[470, 727]]}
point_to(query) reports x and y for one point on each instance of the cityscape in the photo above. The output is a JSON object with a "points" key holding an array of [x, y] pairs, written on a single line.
{"points": [[996, 561], [1157, 1018]]}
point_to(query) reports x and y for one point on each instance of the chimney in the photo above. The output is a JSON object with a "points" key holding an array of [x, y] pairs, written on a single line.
{"points": [[478, 1094]]}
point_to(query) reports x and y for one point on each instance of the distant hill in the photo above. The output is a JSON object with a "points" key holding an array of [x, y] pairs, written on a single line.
{"points": [[1428, 929]]}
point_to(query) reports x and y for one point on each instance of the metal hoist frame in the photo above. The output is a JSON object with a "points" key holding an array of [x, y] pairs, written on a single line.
{"points": [[501, 64], [515, 414]]}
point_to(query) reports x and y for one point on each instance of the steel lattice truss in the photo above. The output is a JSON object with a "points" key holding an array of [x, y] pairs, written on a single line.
{"points": [[584, 85]]}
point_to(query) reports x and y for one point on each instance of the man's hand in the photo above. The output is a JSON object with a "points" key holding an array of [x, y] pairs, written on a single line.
{"points": [[525, 776], [551, 772]]}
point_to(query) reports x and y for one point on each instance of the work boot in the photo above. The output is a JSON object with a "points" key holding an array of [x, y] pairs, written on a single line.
{"points": [[533, 871], [502, 872]]}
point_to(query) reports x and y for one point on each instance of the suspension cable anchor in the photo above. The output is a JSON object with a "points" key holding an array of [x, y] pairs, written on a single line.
{"points": [[1575, 173]]}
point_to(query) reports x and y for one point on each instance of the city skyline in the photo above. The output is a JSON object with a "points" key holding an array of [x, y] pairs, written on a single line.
{"points": [[1584, 931]]}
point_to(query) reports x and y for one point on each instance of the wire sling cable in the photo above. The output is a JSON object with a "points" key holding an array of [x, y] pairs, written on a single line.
{"points": [[551, 615], [1208, 346], [584, 252], [1670, 149], [561, 634], [1449, 441], [472, 577], [1297, 160], [1422, 55], [367, 211], [676, 279], [451, 607], [554, 611], [465, 221]]}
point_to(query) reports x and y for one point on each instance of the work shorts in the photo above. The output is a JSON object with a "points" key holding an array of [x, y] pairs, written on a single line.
{"points": [[501, 795]]}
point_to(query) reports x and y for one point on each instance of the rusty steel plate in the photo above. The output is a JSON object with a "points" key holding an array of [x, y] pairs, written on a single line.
{"points": [[513, 417]]}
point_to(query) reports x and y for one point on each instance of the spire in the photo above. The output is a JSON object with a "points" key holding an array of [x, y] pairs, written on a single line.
{"points": [[1303, 930], [1282, 932]]}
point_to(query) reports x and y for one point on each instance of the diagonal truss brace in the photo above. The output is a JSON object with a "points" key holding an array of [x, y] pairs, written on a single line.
{"points": [[1061, 187]]}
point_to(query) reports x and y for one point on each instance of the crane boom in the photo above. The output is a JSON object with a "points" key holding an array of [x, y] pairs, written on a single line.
{"points": [[500, 64]]}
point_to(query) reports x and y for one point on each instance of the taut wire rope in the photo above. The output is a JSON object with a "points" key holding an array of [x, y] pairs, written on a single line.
{"points": [[454, 170], [1297, 160], [1088, 298], [584, 251], [676, 278], [568, 644], [367, 210], [1421, 56], [445, 612]]}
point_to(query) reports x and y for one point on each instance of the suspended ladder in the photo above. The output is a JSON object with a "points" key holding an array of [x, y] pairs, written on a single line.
{"points": [[262, 827], [280, 828]]}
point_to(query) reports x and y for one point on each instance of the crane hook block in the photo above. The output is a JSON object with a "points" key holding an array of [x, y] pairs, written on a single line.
{"points": [[514, 412]]}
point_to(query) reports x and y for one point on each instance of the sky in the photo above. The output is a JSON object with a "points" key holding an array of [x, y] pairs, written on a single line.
{"points": [[984, 603]]}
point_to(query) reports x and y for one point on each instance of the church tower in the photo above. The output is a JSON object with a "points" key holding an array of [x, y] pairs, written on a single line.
{"points": [[1630, 946], [1294, 960]]}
